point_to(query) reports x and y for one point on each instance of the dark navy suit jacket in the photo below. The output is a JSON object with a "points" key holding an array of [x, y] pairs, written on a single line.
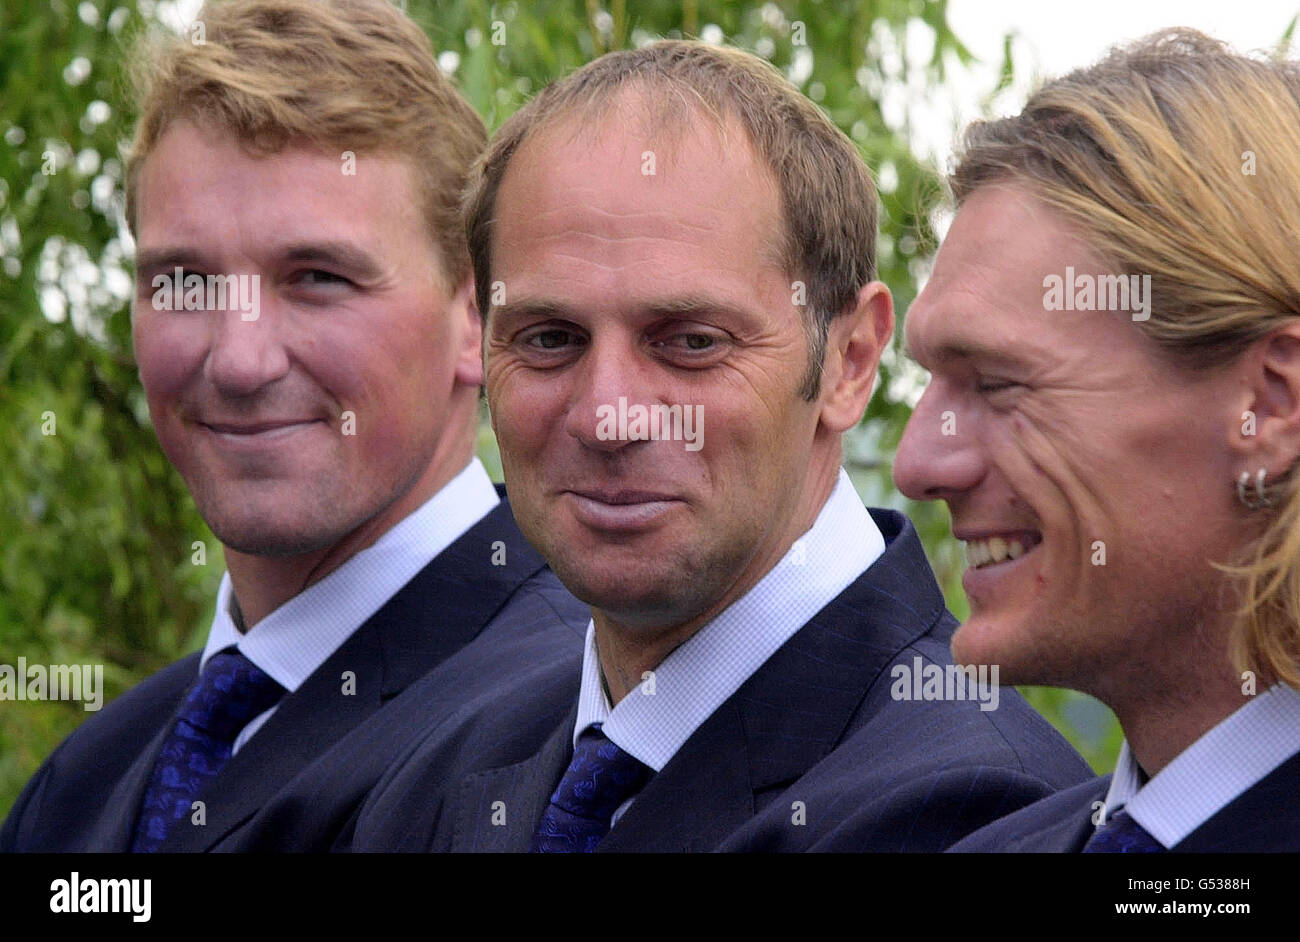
{"points": [[1264, 818], [811, 753], [462, 624]]}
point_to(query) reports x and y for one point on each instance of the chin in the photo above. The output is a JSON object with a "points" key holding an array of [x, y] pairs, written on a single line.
{"points": [[263, 534], [980, 641]]}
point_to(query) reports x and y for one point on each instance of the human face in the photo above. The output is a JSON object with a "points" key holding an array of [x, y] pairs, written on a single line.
{"points": [[323, 416], [661, 288], [1064, 432]]}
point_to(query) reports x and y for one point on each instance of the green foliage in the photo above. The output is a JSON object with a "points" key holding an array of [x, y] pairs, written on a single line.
{"points": [[95, 525], [96, 528]]}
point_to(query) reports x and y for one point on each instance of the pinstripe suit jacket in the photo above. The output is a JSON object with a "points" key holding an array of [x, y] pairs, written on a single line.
{"points": [[811, 753]]}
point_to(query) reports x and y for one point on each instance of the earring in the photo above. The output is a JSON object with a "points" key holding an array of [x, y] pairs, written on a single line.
{"points": [[1260, 497]]}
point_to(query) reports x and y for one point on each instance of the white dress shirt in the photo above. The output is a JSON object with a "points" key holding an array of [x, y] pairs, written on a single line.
{"points": [[299, 636], [1211, 772], [700, 675]]}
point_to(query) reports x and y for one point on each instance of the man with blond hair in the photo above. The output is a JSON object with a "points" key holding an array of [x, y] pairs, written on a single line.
{"points": [[309, 344], [675, 231], [1143, 454]]}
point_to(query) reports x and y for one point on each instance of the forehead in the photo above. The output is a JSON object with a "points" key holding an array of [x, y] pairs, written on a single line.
{"points": [[986, 294], [629, 186], [201, 185]]}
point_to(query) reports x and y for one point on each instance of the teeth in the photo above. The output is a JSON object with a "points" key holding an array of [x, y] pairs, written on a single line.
{"points": [[994, 550]]}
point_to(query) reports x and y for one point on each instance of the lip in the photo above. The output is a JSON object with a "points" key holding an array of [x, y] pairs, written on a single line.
{"points": [[256, 434], [620, 510]]}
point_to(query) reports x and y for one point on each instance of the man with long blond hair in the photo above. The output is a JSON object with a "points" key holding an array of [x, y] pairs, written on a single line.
{"points": [[1114, 321], [308, 341]]}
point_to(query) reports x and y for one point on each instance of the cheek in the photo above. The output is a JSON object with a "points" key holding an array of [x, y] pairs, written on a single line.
{"points": [[169, 354], [527, 412]]}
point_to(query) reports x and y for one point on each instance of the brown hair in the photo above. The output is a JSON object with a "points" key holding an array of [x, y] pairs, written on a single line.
{"points": [[828, 198], [349, 74], [1176, 157]]}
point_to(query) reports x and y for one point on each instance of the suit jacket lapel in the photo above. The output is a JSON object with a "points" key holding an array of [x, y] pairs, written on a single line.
{"points": [[307, 723], [524, 790], [114, 831], [677, 812], [441, 609]]}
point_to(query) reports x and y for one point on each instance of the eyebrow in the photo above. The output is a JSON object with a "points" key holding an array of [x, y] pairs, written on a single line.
{"points": [[964, 349], [345, 255], [688, 305]]}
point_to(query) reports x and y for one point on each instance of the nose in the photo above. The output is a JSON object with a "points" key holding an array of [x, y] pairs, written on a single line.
{"points": [[939, 456], [247, 353], [610, 369]]}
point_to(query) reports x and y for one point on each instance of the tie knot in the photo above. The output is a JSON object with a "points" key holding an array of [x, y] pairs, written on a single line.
{"points": [[600, 778], [230, 692]]}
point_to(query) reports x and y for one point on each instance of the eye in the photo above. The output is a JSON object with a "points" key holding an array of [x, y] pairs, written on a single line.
{"points": [[550, 338], [319, 276], [994, 385], [691, 345]]}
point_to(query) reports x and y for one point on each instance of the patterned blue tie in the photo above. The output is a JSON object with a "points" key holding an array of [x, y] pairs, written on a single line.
{"points": [[230, 692], [1122, 835], [599, 779]]}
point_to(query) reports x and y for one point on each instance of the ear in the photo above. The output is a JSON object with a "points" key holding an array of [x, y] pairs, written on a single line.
{"points": [[468, 334], [1268, 434], [853, 347]]}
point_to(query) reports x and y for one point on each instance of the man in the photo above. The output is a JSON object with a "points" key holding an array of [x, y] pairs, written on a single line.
{"points": [[305, 162], [1114, 449], [645, 234]]}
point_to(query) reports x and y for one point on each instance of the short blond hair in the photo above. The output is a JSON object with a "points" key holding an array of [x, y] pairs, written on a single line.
{"points": [[828, 199], [1177, 157], [354, 75]]}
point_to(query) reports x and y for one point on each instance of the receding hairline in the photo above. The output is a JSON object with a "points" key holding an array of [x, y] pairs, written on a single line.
{"points": [[636, 110]]}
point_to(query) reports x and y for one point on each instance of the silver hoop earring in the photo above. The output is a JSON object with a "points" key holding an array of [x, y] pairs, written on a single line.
{"points": [[1260, 497]]}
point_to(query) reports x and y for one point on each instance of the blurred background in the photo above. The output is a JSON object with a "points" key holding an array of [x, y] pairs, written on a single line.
{"points": [[99, 558]]}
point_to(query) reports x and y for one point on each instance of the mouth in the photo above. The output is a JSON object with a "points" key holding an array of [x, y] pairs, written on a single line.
{"points": [[997, 549], [620, 509], [251, 432], [271, 425]]}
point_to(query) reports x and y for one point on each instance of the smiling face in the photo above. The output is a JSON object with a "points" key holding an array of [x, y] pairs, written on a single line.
{"points": [[1064, 433], [661, 288], [343, 405]]}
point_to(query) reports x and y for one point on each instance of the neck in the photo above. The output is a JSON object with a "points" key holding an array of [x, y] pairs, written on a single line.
{"points": [[627, 652], [261, 584], [1163, 715]]}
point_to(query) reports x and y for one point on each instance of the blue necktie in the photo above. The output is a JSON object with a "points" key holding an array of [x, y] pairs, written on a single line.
{"points": [[230, 692], [1122, 835], [599, 779]]}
